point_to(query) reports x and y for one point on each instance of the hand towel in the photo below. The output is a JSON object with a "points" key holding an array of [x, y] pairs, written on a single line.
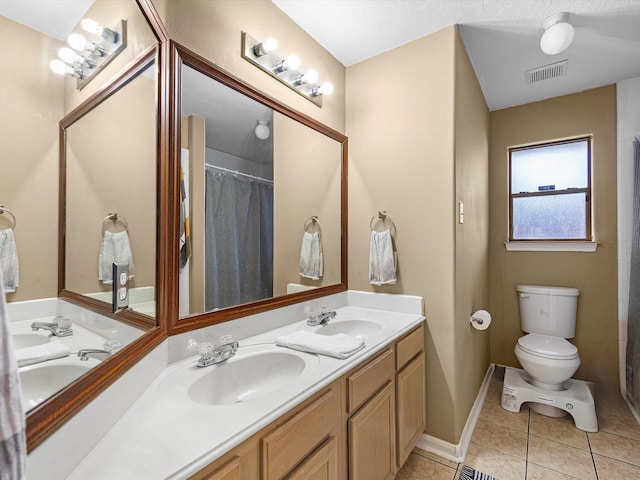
{"points": [[115, 248], [13, 447], [9, 261], [340, 345], [311, 261], [41, 353], [382, 264]]}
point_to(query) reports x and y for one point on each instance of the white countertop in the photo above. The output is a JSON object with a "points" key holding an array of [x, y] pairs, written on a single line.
{"points": [[166, 435]]}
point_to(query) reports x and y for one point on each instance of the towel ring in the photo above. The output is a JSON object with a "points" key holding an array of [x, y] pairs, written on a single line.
{"points": [[13, 217], [382, 216], [115, 218], [313, 221]]}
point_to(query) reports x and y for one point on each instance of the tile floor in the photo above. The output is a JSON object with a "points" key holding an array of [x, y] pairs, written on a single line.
{"points": [[529, 446]]}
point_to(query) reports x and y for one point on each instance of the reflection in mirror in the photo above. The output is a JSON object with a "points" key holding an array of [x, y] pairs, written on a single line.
{"points": [[253, 181], [34, 99], [110, 208]]}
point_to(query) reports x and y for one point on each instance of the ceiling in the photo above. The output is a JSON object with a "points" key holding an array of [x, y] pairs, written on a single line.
{"points": [[501, 38], [54, 18]]}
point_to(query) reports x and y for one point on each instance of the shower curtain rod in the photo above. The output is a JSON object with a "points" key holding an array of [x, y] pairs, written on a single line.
{"points": [[235, 172]]}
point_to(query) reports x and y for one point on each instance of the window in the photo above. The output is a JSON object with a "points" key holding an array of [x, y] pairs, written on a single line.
{"points": [[550, 191]]}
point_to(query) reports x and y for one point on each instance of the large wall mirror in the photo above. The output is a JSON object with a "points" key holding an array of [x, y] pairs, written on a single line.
{"points": [[262, 211], [106, 160]]}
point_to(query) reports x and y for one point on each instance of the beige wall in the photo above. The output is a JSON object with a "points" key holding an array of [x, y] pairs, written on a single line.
{"points": [[213, 29], [31, 99], [406, 158], [307, 180], [472, 236], [111, 167], [589, 113]]}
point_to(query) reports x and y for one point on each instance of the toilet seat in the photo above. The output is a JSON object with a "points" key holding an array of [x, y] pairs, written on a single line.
{"points": [[547, 346]]}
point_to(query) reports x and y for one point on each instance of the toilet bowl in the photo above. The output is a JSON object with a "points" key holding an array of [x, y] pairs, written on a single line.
{"points": [[550, 361]]}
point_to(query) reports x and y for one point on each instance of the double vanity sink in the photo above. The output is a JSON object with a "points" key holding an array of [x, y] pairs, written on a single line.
{"points": [[190, 416]]}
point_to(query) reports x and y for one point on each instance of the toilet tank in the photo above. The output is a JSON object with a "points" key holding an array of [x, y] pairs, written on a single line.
{"points": [[548, 310]]}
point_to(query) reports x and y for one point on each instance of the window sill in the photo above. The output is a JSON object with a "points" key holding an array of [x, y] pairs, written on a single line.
{"points": [[535, 246]]}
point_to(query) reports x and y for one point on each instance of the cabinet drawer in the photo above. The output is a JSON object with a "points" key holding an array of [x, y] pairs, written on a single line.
{"points": [[365, 382], [409, 347], [290, 443], [321, 465], [228, 471]]}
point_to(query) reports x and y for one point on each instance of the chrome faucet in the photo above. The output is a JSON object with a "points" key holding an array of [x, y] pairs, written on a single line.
{"points": [[211, 356], [110, 346], [87, 353], [60, 327], [321, 318]]}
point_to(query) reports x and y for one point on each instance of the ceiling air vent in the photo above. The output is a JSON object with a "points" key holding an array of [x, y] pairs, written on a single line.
{"points": [[547, 72]]}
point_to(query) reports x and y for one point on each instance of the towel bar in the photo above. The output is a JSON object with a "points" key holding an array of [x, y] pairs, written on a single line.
{"points": [[114, 217], [382, 216], [6, 210], [313, 221]]}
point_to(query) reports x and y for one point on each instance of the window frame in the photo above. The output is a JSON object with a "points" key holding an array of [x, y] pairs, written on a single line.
{"points": [[587, 190]]}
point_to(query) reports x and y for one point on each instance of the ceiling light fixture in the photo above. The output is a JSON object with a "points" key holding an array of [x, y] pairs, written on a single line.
{"points": [[558, 34], [262, 130], [86, 58], [286, 70]]}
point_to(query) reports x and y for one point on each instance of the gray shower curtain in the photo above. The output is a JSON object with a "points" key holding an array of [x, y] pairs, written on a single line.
{"points": [[633, 319], [238, 240]]}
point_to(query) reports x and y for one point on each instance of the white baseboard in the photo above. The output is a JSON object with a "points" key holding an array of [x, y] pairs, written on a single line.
{"points": [[456, 453]]}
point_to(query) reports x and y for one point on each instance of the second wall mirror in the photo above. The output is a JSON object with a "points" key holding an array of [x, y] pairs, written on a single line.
{"points": [[262, 211]]}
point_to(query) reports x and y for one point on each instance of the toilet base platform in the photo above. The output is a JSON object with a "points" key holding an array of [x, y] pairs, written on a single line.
{"points": [[576, 400]]}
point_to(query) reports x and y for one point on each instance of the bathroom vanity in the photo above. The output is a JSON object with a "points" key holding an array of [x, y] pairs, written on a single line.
{"points": [[284, 413]]}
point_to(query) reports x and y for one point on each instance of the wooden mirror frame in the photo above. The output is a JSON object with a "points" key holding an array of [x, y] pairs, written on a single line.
{"points": [[183, 56], [51, 414]]}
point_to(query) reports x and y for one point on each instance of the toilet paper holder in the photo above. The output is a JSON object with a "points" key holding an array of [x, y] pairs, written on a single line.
{"points": [[480, 319]]}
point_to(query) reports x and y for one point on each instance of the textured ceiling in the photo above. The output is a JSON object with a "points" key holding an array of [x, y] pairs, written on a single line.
{"points": [[501, 38]]}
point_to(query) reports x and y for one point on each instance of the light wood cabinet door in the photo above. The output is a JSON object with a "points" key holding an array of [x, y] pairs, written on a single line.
{"points": [[228, 471], [372, 439], [411, 405], [321, 465]]}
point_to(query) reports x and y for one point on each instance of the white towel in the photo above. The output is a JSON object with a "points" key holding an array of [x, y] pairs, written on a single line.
{"points": [[13, 447], [340, 345], [115, 248], [41, 353], [382, 264], [9, 261], [311, 261]]}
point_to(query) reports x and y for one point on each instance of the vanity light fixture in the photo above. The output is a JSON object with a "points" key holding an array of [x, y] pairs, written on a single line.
{"points": [[558, 34], [286, 70], [86, 58]]}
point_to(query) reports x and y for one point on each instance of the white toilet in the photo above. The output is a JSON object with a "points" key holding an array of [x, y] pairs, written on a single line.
{"points": [[548, 316]]}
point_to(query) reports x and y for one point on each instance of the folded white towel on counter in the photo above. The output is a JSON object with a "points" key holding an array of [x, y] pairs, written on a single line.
{"points": [[340, 345], [382, 261], [9, 261], [41, 353], [115, 248], [311, 260], [13, 445]]}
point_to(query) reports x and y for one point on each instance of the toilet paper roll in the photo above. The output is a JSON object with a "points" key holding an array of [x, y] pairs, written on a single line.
{"points": [[480, 319]]}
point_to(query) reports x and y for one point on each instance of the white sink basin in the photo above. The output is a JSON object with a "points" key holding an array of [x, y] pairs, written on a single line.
{"points": [[363, 328], [38, 382], [24, 340], [244, 378]]}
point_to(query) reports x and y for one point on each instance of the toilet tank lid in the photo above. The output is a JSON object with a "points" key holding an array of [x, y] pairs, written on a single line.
{"points": [[545, 345], [544, 290]]}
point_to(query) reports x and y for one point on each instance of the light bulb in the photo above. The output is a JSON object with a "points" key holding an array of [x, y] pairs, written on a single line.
{"points": [[91, 26], [265, 47], [58, 67], [293, 62], [326, 88], [311, 76], [77, 42], [68, 55], [270, 44]]}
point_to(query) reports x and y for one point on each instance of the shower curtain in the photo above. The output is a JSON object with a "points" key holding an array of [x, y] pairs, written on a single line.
{"points": [[633, 319], [238, 239]]}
